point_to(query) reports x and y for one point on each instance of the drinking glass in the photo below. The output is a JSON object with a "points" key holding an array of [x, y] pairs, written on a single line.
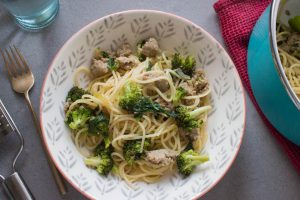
{"points": [[32, 14]]}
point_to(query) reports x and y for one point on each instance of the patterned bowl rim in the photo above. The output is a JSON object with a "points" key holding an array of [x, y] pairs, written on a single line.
{"points": [[71, 39]]}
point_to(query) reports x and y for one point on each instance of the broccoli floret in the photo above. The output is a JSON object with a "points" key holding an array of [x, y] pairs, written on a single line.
{"points": [[102, 149], [102, 160], [187, 161], [131, 92], [93, 161], [186, 119], [187, 64], [75, 93], [180, 93], [112, 64], [177, 61], [105, 166], [132, 150], [78, 117], [133, 101], [99, 125]]}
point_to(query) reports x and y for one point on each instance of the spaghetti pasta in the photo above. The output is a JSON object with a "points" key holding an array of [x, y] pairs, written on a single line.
{"points": [[288, 49], [160, 129]]}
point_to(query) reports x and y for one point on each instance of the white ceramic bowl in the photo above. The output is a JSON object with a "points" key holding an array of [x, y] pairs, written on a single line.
{"points": [[226, 120]]}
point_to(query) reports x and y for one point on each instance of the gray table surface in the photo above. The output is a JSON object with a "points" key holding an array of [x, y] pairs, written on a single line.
{"points": [[261, 170]]}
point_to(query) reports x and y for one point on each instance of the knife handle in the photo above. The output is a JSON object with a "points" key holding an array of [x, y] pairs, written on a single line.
{"points": [[16, 188]]}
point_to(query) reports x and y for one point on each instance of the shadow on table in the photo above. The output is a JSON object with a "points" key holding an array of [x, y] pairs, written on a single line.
{"points": [[8, 34]]}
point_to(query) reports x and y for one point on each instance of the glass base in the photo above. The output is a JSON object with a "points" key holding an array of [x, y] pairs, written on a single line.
{"points": [[37, 22]]}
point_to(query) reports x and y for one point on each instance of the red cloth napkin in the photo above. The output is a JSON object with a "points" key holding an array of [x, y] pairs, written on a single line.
{"points": [[237, 19]]}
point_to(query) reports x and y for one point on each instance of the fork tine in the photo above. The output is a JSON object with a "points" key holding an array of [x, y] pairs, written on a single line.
{"points": [[22, 59], [12, 64], [6, 65], [17, 61]]}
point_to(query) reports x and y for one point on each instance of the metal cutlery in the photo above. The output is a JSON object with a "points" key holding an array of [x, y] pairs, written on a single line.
{"points": [[22, 80], [14, 185]]}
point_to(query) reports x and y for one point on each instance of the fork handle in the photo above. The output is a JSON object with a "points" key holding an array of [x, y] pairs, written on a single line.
{"points": [[16, 188], [57, 176]]}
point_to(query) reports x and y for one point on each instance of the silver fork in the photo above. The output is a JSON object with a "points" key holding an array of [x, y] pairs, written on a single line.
{"points": [[22, 80]]}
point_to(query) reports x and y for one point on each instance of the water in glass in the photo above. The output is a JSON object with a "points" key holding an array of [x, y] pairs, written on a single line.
{"points": [[32, 14]]}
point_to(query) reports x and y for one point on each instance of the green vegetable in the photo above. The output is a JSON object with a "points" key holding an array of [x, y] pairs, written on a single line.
{"points": [[98, 54], [78, 117], [150, 65], [187, 64], [133, 101], [75, 93], [102, 160], [188, 120], [140, 56], [187, 161], [190, 145], [104, 54], [101, 148], [141, 43], [176, 61], [112, 64], [99, 125], [295, 23], [180, 93], [132, 150]]}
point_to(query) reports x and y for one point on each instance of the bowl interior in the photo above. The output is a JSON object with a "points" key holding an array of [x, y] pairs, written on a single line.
{"points": [[282, 11], [226, 121], [287, 10]]}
